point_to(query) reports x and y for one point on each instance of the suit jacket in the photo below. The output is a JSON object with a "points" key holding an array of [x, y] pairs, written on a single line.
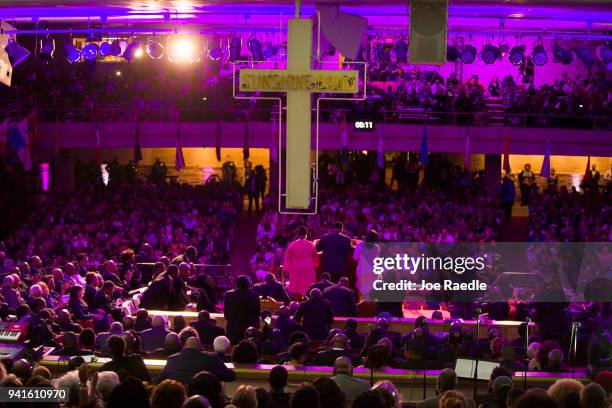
{"points": [[241, 310], [328, 358], [101, 301], [153, 338], [88, 296], [275, 290], [435, 403], [336, 248], [207, 331], [342, 300], [321, 285], [183, 365], [351, 386], [158, 293], [316, 316], [133, 364], [287, 326]]}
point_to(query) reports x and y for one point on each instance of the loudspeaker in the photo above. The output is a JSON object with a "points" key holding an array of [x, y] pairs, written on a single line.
{"points": [[6, 69], [428, 30]]}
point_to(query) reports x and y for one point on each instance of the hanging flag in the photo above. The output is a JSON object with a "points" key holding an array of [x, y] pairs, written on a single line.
{"points": [[506, 164], [4, 133], [18, 143], [57, 142], [32, 119], [466, 163], [98, 147], [588, 176], [218, 138], [245, 148], [423, 153], [179, 161], [137, 149], [545, 172], [380, 156], [274, 143]]}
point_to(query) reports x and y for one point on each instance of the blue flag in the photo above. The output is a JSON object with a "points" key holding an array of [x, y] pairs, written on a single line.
{"points": [[423, 157]]}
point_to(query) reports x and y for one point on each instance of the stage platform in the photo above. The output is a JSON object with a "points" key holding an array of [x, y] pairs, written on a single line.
{"points": [[410, 383], [508, 328]]}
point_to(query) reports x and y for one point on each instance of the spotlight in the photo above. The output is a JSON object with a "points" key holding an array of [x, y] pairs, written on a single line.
{"points": [[155, 50], [105, 48], [586, 56], [235, 46], [562, 55], [47, 48], [517, 55], [503, 49], [16, 53], [115, 49], [604, 53], [90, 51], [183, 50], [270, 50], [468, 55], [401, 51], [254, 46], [132, 51], [215, 53], [452, 53], [72, 53], [490, 54], [539, 55]]}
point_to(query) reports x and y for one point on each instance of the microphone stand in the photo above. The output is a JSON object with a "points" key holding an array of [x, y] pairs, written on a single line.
{"points": [[573, 344], [528, 320], [424, 357], [477, 338]]}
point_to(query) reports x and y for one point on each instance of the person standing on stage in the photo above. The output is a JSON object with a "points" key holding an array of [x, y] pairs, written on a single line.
{"points": [[336, 248], [526, 178], [365, 252], [300, 262]]}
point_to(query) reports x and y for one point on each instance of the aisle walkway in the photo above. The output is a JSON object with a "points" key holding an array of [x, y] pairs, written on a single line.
{"points": [[244, 243], [516, 229]]}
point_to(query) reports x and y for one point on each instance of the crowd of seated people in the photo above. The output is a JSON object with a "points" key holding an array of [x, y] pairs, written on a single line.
{"points": [[157, 92]]}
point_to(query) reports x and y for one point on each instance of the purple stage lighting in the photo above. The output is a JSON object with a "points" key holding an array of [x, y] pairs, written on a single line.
{"points": [[132, 51], [539, 55], [105, 48], [517, 55], [452, 53], [72, 53], [586, 56], [16, 53], [90, 51], [256, 49], [155, 50], [235, 46], [47, 48], [115, 49], [562, 55], [468, 55], [215, 53], [490, 54]]}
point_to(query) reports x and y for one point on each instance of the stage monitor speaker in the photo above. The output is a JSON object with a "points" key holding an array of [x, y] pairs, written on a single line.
{"points": [[428, 30]]}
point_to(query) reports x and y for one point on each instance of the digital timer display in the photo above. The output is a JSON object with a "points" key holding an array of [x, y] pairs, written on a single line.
{"points": [[367, 125]]}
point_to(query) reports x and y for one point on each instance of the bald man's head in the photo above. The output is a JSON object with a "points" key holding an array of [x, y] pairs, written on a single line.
{"points": [[343, 365], [193, 343]]}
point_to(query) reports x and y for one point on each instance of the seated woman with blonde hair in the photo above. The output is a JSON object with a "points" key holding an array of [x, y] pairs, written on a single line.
{"points": [[452, 399]]}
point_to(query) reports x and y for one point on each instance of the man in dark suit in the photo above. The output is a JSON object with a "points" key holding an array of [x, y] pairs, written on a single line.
{"points": [[338, 348], [154, 337], [91, 289], [285, 324], [323, 284], [316, 315], [342, 298], [190, 255], [241, 309], [206, 328], [350, 331], [102, 300], [159, 292], [270, 287], [336, 248], [446, 381], [183, 365]]}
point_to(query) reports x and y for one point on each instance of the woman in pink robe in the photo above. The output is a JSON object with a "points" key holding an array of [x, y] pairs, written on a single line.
{"points": [[300, 262]]}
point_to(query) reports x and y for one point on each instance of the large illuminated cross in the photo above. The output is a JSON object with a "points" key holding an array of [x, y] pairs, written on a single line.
{"points": [[299, 81]]}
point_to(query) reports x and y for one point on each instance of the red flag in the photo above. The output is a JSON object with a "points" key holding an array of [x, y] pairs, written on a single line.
{"points": [[57, 142], [588, 176], [98, 152], [507, 152], [179, 162], [137, 150], [218, 138]]}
